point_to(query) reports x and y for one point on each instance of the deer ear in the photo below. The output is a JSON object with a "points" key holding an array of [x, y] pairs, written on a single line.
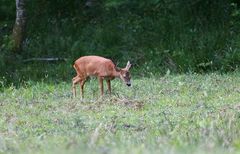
{"points": [[128, 66]]}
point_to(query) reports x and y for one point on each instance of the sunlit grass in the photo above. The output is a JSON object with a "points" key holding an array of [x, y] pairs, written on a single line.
{"points": [[171, 114]]}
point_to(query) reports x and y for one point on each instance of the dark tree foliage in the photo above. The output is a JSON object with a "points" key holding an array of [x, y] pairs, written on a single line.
{"points": [[156, 35]]}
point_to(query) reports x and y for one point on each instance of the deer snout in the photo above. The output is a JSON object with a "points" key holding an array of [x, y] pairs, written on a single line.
{"points": [[128, 84]]}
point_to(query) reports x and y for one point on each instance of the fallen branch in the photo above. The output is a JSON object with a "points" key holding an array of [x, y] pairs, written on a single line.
{"points": [[44, 59]]}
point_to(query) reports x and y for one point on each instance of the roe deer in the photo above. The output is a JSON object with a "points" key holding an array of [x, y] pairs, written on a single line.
{"points": [[102, 68]]}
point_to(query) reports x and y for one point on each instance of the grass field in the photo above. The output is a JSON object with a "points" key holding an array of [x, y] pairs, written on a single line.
{"points": [[189, 113]]}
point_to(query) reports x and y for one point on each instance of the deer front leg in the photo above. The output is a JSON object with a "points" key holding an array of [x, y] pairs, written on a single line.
{"points": [[100, 79], [109, 86]]}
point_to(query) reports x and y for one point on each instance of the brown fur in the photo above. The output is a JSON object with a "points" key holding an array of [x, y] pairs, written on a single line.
{"points": [[98, 66]]}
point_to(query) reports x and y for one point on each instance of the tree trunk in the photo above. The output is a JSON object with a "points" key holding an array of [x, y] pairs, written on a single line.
{"points": [[19, 27]]}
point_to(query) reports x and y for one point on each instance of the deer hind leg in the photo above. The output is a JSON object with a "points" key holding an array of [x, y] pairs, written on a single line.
{"points": [[75, 80], [109, 86], [82, 82], [100, 80]]}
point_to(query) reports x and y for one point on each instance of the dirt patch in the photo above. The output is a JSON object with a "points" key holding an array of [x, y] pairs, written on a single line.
{"points": [[135, 104], [98, 104]]}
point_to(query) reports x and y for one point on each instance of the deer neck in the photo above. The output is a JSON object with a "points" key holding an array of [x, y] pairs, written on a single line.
{"points": [[116, 73]]}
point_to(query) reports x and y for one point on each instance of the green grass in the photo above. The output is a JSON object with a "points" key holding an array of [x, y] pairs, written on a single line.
{"points": [[172, 114]]}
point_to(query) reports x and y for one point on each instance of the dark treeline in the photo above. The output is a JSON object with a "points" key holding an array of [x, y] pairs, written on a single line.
{"points": [[156, 35]]}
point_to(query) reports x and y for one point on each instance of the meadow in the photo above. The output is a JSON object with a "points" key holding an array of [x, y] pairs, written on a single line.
{"points": [[182, 113]]}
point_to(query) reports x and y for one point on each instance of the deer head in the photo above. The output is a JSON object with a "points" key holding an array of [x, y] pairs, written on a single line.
{"points": [[125, 74]]}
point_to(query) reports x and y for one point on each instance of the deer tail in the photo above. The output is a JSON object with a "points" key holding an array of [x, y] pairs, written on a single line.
{"points": [[76, 68]]}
